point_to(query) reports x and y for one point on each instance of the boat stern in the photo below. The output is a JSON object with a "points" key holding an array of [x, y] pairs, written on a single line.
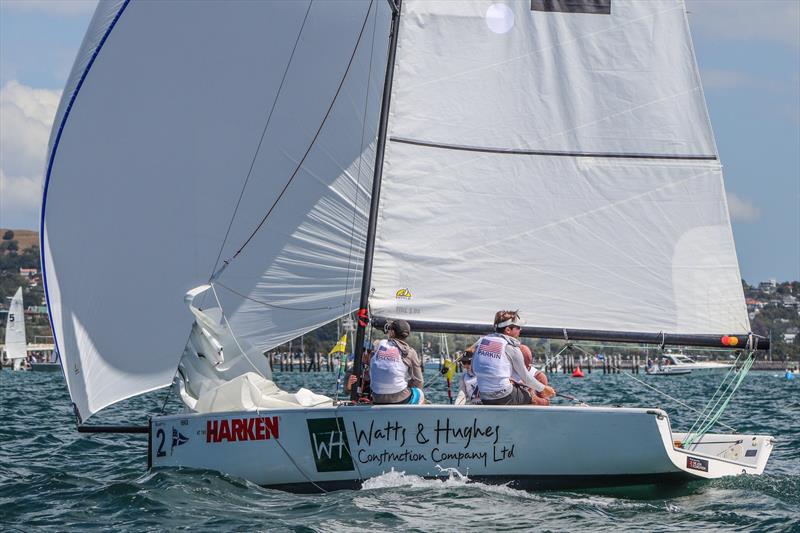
{"points": [[717, 455]]}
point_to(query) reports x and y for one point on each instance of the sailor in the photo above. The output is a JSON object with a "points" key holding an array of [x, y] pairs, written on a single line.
{"points": [[351, 379], [497, 357], [395, 368], [527, 356], [468, 383]]}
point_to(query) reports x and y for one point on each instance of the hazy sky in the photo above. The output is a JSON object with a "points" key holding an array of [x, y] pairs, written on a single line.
{"points": [[749, 56]]}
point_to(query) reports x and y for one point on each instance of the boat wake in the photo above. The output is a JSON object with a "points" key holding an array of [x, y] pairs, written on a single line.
{"points": [[448, 478]]}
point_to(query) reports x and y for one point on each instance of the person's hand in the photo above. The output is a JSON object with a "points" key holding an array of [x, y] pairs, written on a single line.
{"points": [[548, 392], [351, 381]]}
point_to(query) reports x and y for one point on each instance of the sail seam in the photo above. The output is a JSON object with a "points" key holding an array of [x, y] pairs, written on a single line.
{"points": [[552, 153]]}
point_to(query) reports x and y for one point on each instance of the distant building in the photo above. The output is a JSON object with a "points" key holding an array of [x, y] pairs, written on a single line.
{"points": [[28, 272], [768, 286]]}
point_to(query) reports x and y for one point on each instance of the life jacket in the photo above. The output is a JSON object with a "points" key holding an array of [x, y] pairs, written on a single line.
{"points": [[388, 373], [492, 367]]}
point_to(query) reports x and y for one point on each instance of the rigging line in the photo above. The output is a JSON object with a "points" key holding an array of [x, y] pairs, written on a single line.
{"points": [[274, 306], [659, 391], [693, 439], [289, 456], [233, 335], [708, 407], [263, 134], [314, 140], [714, 412], [360, 160]]}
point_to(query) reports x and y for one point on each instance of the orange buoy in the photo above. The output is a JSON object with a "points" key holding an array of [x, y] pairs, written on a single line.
{"points": [[577, 373]]}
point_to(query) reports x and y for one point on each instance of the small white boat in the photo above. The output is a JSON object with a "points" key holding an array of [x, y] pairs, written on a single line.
{"points": [[15, 343], [678, 364], [47, 364]]}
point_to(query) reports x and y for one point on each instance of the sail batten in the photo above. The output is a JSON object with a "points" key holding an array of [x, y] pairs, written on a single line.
{"points": [[495, 150]]}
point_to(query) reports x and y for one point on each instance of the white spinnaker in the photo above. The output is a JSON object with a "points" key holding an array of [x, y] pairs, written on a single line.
{"points": [[15, 328], [154, 153], [507, 186]]}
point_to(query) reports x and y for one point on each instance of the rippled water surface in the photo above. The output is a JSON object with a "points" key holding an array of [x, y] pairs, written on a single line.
{"points": [[52, 478]]}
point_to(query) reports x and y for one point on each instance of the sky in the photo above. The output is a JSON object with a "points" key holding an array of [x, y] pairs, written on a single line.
{"points": [[749, 57]]}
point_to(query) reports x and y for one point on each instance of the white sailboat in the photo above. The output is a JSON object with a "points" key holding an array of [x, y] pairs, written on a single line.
{"points": [[15, 343], [432, 160]]}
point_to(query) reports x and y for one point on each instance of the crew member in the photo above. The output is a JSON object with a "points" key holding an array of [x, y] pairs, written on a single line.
{"points": [[497, 357], [395, 368], [527, 356], [468, 383]]}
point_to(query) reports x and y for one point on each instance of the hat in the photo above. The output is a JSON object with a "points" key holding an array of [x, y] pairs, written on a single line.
{"points": [[504, 319], [400, 327]]}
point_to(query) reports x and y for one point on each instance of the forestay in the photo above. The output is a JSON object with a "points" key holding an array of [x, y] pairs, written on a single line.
{"points": [[189, 132], [559, 162], [16, 346]]}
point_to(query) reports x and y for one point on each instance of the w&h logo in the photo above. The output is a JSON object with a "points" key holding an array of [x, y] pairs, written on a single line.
{"points": [[329, 445]]}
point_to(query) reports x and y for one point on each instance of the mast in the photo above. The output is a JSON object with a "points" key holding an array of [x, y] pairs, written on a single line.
{"points": [[366, 277]]}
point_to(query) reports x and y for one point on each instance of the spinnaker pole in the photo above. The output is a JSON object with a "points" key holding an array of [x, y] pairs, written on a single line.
{"points": [[366, 277]]}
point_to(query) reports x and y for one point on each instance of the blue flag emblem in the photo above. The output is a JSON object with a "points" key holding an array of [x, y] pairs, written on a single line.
{"points": [[178, 439]]}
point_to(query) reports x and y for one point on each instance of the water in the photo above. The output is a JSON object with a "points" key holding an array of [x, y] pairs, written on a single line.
{"points": [[52, 478]]}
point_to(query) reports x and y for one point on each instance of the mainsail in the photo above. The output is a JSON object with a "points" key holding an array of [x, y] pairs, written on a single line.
{"points": [[557, 158], [192, 137], [15, 330]]}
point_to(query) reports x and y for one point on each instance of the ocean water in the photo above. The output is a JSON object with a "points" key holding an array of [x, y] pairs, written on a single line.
{"points": [[54, 479]]}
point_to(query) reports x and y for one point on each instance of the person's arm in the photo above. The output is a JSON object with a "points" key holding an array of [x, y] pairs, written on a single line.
{"points": [[414, 369], [518, 364]]}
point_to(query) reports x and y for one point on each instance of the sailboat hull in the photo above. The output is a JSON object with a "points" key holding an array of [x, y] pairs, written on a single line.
{"points": [[529, 447]]}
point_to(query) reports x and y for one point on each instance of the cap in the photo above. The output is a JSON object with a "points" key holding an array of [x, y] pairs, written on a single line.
{"points": [[401, 328]]}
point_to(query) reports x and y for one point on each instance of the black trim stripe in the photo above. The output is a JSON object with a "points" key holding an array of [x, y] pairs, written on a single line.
{"points": [[590, 7], [512, 151], [523, 482]]}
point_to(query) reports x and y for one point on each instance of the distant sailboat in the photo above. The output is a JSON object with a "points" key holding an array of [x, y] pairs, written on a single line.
{"points": [[15, 344], [433, 161]]}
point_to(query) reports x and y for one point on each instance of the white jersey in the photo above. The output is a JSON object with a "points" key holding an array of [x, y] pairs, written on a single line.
{"points": [[492, 367], [388, 374], [468, 389]]}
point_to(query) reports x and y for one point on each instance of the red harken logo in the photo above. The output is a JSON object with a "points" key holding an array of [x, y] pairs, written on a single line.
{"points": [[239, 429]]}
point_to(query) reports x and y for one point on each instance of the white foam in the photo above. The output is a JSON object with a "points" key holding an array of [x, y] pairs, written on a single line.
{"points": [[453, 480]]}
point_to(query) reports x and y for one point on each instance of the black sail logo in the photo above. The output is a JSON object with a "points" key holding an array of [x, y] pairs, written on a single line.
{"points": [[595, 7], [329, 445]]}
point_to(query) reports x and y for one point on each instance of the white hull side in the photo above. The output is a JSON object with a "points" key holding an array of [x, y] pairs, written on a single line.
{"points": [[330, 448]]}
